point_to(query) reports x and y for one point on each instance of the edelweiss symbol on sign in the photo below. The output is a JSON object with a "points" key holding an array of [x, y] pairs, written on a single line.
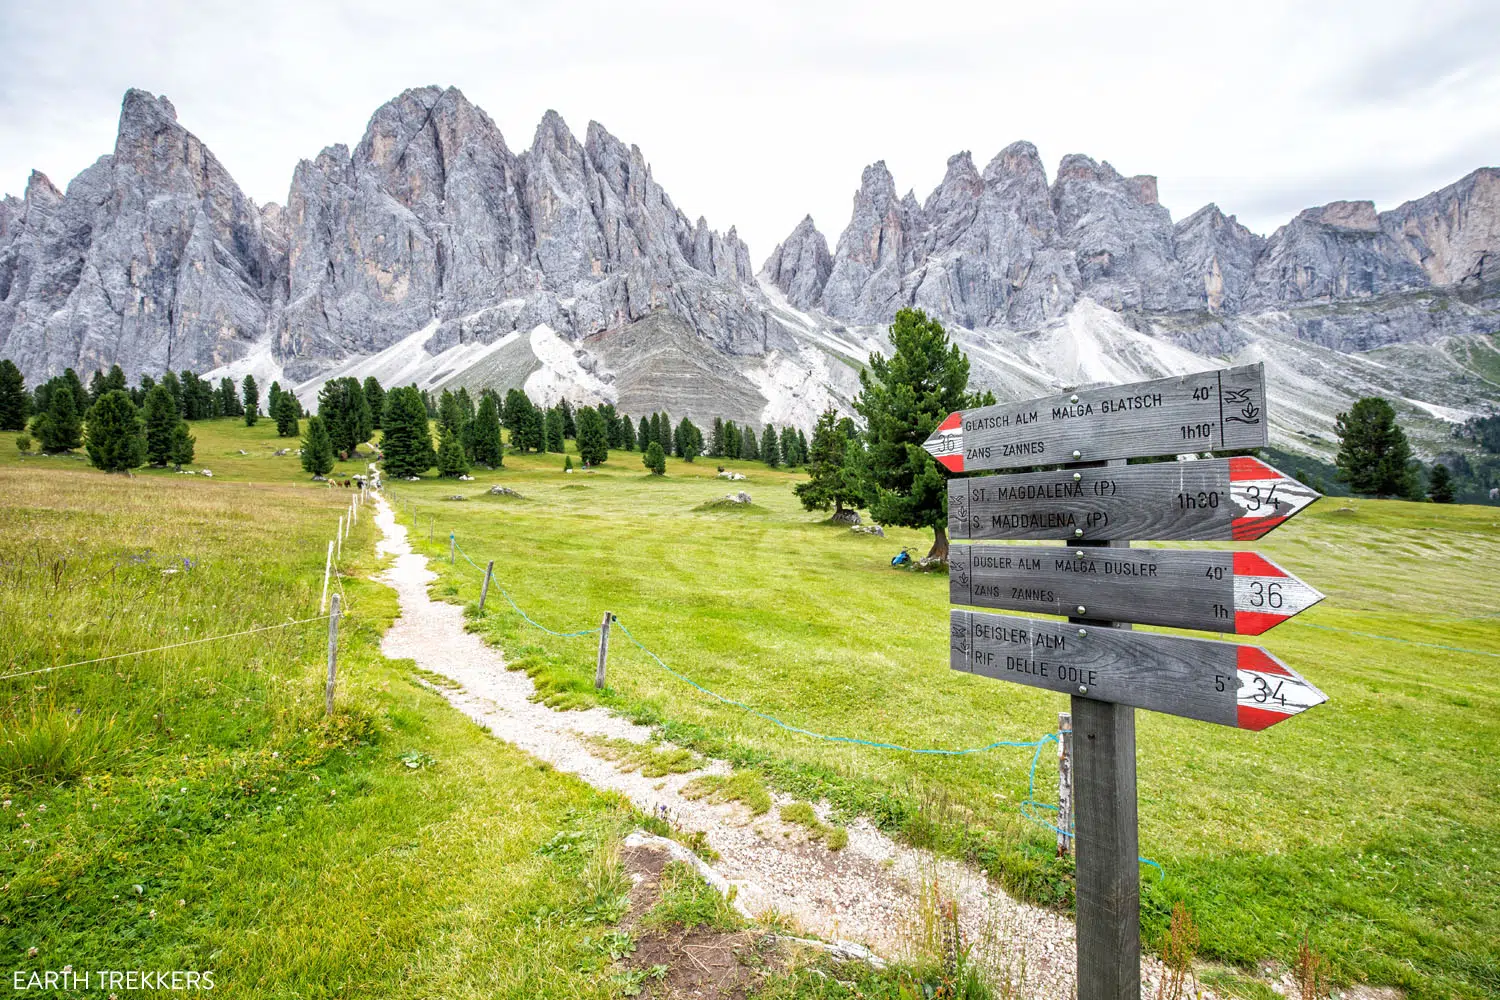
{"points": [[1249, 413]]}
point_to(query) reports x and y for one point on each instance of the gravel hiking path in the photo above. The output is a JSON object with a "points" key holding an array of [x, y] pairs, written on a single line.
{"points": [[866, 894]]}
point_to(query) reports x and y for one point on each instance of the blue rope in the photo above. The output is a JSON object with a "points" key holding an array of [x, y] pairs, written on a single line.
{"points": [[1027, 808]]}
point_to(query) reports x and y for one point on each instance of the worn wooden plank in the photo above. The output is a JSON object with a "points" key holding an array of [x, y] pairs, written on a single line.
{"points": [[1237, 592], [1204, 679], [1210, 500], [1107, 874], [1209, 411]]}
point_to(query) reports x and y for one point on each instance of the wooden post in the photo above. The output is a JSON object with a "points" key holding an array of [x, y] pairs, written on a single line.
{"points": [[327, 568], [1106, 866], [333, 655], [1064, 783], [603, 651], [341, 537], [484, 591]]}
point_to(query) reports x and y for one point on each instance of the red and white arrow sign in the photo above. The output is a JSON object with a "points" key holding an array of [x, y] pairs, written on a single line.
{"points": [[947, 442], [1265, 595], [1266, 497], [1270, 691]]}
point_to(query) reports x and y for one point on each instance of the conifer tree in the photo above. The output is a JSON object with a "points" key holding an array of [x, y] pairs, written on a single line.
{"points": [[627, 433], [1440, 486], [59, 428], [655, 459], [80, 394], [731, 440], [173, 384], [451, 460], [555, 430], [487, 449], [570, 426], [518, 418], [611, 425], [15, 402], [273, 396], [161, 420], [229, 399], [770, 447], [827, 485], [789, 447], [114, 433], [749, 446], [375, 400], [902, 398], [656, 434], [667, 444], [250, 399], [285, 412], [182, 445], [466, 410], [407, 439], [116, 380], [688, 440], [567, 463], [96, 388], [801, 447], [1374, 456], [317, 447], [643, 434], [716, 439], [593, 440]]}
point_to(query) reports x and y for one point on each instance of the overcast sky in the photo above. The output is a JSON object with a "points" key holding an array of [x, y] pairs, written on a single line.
{"points": [[756, 114]]}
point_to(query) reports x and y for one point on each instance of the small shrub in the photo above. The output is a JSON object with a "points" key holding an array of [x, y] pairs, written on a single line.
{"points": [[23, 444]]}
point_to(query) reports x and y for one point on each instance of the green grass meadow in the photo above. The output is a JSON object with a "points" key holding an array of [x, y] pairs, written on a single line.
{"points": [[1371, 825]]}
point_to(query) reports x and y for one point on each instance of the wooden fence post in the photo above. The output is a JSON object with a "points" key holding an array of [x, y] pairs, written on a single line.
{"points": [[1064, 783], [327, 568], [484, 591], [341, 537], [1106, 850], [333, 654], [603, 651]]}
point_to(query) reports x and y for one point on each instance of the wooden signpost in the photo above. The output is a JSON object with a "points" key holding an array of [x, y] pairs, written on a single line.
{"points": [[1237, 592], [1220, 499], [1094, 503]]}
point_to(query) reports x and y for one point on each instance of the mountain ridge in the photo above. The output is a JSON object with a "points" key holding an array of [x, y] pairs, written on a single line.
{"points": [[432, 252]]}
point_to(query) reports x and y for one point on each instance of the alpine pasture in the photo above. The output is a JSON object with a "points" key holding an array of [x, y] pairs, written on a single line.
{"points": [[201, 812]]}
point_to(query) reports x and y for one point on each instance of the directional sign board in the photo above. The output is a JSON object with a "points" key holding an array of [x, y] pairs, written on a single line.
{"points": [[1211, 500], [1210, 411], [1237, 592], [1222, 682]]}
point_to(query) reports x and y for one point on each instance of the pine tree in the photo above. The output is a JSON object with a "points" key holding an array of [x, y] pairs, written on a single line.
{"points": [[656, 433], [749, 446], [611, 425], [567, 463], [273, 396], [229, 399], [902, 399], [487, 449], [346, 414], [555, 430], [518, 418], [285, 412], [826, 486], [114, 443], [407, 439], [770, 447], [570, 426], [627, 433], [317, 447], [466, 410], [643, 434], [788, 443], [1374, 457], [451, 460], [250, 397], [689, 440], [375, 400], [116, 380], [731, 440], [593, 440], [138, 394], [655, 459], [59, 428], [75, 386], [173, 384], [14, 400], [716, 439], [1440, 487], [801, 447], [667, 444], [161, 422], [96, 388], [182, 445]]}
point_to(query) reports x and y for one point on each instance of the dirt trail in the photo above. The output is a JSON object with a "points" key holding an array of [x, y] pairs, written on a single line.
{"points": [[866, 893]]}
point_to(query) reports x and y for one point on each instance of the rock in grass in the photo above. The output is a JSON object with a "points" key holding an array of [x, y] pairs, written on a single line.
{"points": [[845, 517], [456, 496], [868, 529], [504, 491]]}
